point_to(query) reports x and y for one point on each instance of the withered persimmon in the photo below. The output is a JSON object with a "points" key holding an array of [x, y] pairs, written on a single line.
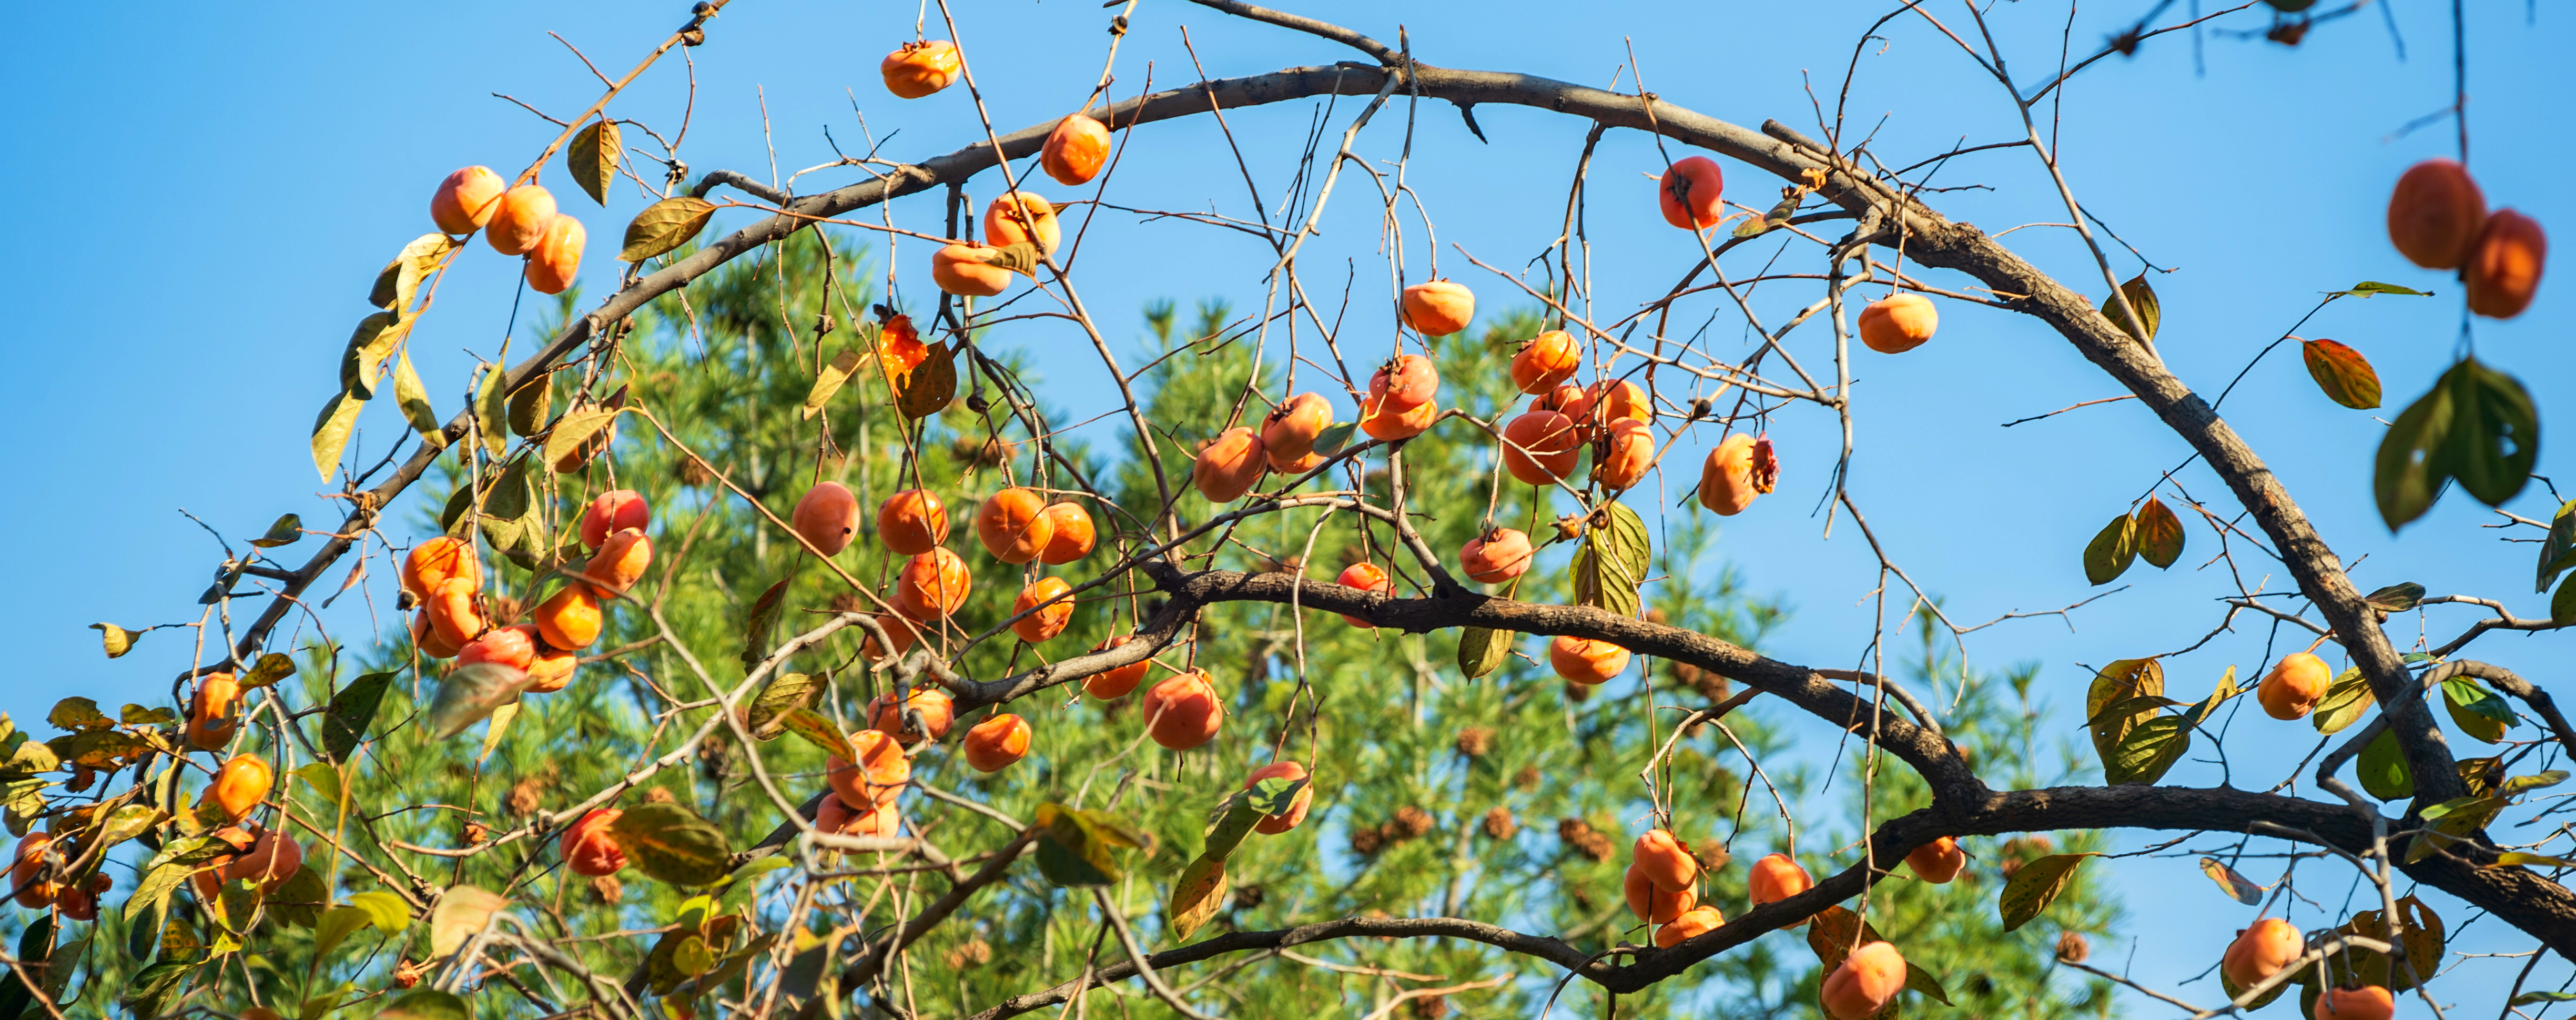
{"points": [[1109, 685], [1183, 711], [519, 219], [912, 521], [556, 257], [932, 585], [1019, 216], [1691, 193], [992, 745], [917, 69], [1546, 361], [1364, 576], [1230, 465], [1075, 150], [1013, 525], [466, 199], [1496, 556], [960, 269], [1740, 468], [1438, 307], [587, 848], [826, 517], [2435, 213], [612, 512], [1288, 434], [1044, 624], [1071, 537], [1898, 323]]}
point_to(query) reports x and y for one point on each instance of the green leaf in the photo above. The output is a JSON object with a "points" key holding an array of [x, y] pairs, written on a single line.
{"points": [[144, 920], [286, 530], [2344, 375], [2346, 700], [756, 626], [2367, 288], [593, 158], [2159, 536], [468, 694], [324, 778], [270, 668], [352, 710], [2038, 883], [2558, 552], [1613, 562], [1482, 650], [529, 404], [2495, 440], [1229, 823], [299, 900], [2201, 711], [2116, 684], [1334, 438], [2382, 768], [413, 399], [143, 995], [829, 382], [665, 225], [1921, 981], [576, 429], [362, 364], [491, 406], [818, 730], [2480, 713], [387, 910], [766, 719], [2407, 472], [930, 385], [2112, 549], [2142, 296], [426, 1004], [2147, 752], [2396, 598], [79, 715], [2504, 860], [2242, 889], [2538, 781], [1277, 794], [2562, 606], [331, 431], [399, 281], [114, 639], [336, 927], [1196, 896], [671, 843], [1079, 848]]}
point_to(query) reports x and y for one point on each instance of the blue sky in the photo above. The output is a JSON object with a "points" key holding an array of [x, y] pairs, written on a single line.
{"points": [[209, 189]]}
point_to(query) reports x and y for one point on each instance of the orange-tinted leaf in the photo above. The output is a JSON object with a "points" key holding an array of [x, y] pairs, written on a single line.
{"points": [[2342, 372], [2159, 534]]}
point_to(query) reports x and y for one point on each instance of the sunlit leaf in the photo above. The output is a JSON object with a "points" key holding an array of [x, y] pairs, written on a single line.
{"points": [[2347, 698], [426, 1004], [331, 431], [2558, 551], [2111, 551], [671, 843], [2537, 781], [529, 404], [1080, 848], [413, 399], [2036, 885], [1482, 650], [2367, 288], [2147, 752], [388, 911], [2235, 885], [576, 428], [1612, 562], [78, 715], [114, 639], [2142, 296], [1334, 438], [2159, 536], [665, 225], [491, 406], [766, 719], [2382, 768], [593, 157], [286, 530], [2504, 860], [930, 385], [399, 281], [829, 382], [1196, 896], [270, 668], [2114, 684], [2396, 598], [2344, 375], [817, 729], [468, 694], [2479, 712]]}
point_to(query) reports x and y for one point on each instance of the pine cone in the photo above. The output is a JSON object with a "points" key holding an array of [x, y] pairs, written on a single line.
{"points": [[1499, 823]]}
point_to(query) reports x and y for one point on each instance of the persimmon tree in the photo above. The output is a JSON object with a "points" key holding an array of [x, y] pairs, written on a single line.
{"points": [[700, 694]]}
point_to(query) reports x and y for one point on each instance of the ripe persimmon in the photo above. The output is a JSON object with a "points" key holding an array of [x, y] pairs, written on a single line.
{"points": [[1405, 380], [879, 776], [465, 200], [239, 785], [1496, 556], [551, 670], [2291, 690], [1229, 465], [1691, 193], [26, 869], [1547, 361], [912, 521], [992, 745], [1775, 878], [903, 632], [2260, 950], [1390, 423], [1898, 323], [1740, 468], [938, 712], [932, 585], [1692, 923], [1112, 684], [1013, 525], [437, 560], [1183, 711], [587, 848], [2504, 269], [272, 859], [1019, 216], [2435, 213], [961, 269], [1438, 307], [519, 219], [1364, 576], [620, 562], [1075, 150], [1296, 813], [1586, 661], [452, 612], [1071, 536], [556, 257], [917, 69], [1654, 904], [1665, 861], [513, 646], [1043, 625], [1288, 434], [425, 637], [570, 619], [826, 517], [1627, 449], [1864, 983], [214, 711], [2364, 1002], [612, 512], [1540, 447], [1938, 861]]}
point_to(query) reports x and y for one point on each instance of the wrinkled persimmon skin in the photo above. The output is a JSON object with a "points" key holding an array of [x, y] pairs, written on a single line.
{"points": [[1230, 465], [435, 561], [2369, 1002], [1438, 307], [1114, 684], [1183, 711], [911, 522], [426, 638], [586, 847], [612, 512], [1546, 362], [1408, 380], [1691, 193], [938, 712], [1540, 447], [465, 200], [1692, 923], [1497, 557], [621, 561], [932, 585], [1075, 150], [514, 646], [214, 711], [960, 269], [1738, 470], [272, 859], [569, 620], [917, 69], [1288, 434], [992, 745], [1071, 534], [1013, 525], [1898, 323], [1627, 449], [1012, 217], [2261, 950], [1665, 861], [2504, 269], [827, 516], [1586, 661], [2435, 213], [880, 776], [1938, 861], [1296, 813], [1365, 577], [1864, 983], [2291, 690], [1042, 626], [1654, 904], [1775, 878], [239, 785], [452, 613], [556, 258], [1391, 423], [519, 219]]}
